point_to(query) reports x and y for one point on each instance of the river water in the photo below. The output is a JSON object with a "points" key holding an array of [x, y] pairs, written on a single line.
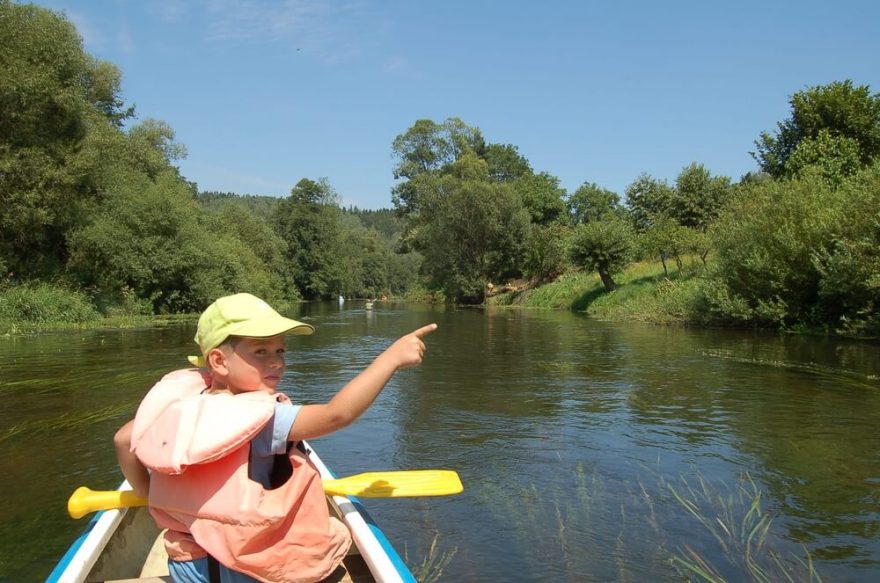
{"points": [[589, 451]]}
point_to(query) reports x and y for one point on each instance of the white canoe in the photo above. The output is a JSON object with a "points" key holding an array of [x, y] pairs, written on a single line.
{"points": [[126, 545]]}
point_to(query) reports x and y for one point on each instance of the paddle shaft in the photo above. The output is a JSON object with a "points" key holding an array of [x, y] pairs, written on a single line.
{"points": [[393, 484]]}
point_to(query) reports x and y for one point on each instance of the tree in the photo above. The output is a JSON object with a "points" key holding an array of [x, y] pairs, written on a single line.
{"points": [[470, 229], [546, 254], [542, 197], [147, 236], [590, 202], [505, 162], [308, 221], [428, 147], [698, 197], [604, 246], [646, 199], [767, 243], [833, 157], [840, 108], [53, 96]]}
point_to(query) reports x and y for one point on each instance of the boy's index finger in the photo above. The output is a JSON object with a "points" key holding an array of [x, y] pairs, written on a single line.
{"points": [[425, 330]]}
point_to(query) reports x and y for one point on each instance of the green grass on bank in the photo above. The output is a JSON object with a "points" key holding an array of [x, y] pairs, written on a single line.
{"points": [[645, 294]]}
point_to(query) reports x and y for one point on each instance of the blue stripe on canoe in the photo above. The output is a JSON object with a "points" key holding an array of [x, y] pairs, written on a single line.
{"points": [[389, 549], [56, 573]]}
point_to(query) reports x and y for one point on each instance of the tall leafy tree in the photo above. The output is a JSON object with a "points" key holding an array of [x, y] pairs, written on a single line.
{"points": [[832, 157], [647, 198], [841, 108], [505, 162], [542, 197], [146, 236], [308, 221], [698, 197], [428, 147], [470, 229], [590, 202], [52, 96]]}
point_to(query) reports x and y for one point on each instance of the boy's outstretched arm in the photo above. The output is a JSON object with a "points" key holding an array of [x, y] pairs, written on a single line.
{"points": [[132, 468], [355, 397]]}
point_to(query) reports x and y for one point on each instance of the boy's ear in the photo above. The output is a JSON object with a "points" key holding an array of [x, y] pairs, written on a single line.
{"points": [[216, 360]]}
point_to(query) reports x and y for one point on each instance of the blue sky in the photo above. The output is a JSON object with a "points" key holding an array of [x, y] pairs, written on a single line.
{"points": [[263, 93]]}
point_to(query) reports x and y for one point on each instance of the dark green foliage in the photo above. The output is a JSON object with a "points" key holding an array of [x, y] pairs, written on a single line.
{"points": [[546, 254], [590, 202], [470, 230], [698, 197], [849, 265], [429, 147], [803, 251], [308, 221], [505, 162], [833, 157], [542, 197], [605, 246], [840, 108], [646, 199], [385, 221], [52, 96]]}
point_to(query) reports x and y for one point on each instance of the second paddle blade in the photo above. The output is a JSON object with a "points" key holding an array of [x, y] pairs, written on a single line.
{"points": [[397, 484]]}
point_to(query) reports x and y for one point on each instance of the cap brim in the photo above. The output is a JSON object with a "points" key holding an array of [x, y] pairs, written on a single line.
{"points": [[271, 326]]}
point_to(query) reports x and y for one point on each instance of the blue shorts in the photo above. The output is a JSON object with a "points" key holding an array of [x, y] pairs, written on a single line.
{"points": [[197, 572]]}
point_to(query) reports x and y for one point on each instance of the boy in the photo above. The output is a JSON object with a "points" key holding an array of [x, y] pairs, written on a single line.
{"points": [[226, 481]]}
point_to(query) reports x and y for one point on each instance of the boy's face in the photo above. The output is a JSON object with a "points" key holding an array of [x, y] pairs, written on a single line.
{"points": [[255, 364]]}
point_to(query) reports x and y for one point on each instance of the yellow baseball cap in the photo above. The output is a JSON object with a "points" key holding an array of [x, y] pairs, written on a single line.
{"points": [[241, 315]]}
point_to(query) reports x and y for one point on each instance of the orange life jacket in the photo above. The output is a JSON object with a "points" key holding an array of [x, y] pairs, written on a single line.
{"points": [[197, 446]]}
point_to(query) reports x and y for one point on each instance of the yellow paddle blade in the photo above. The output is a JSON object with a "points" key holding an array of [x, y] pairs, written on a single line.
{"points": [[396, 484], [393, 484]]}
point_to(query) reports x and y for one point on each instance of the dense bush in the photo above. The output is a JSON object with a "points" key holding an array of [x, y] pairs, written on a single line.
{"points": [[45, 303], [802, 251]]}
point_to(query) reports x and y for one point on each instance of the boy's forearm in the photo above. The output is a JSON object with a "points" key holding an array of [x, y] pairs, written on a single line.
{"points": [[362, 390]]}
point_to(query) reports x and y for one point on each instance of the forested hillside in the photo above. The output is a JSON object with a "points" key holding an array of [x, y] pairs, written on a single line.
{"points": [[96, 216]]}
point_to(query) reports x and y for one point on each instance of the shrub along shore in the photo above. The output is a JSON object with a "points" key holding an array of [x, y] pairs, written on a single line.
{"points": [[646, 293]]}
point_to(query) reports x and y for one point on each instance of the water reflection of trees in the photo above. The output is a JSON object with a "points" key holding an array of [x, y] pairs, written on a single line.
{"points": [[803, 411], [799, 413]]}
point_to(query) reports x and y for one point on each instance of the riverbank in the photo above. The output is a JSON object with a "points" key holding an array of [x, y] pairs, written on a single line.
{"points": [[645, 293]]}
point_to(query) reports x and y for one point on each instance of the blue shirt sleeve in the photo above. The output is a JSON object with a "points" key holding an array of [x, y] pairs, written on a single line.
{"points": [[271, 440]]}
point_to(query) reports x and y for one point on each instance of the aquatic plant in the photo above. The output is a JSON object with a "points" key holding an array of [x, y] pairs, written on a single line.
{"points": [[740, 526], [433, 563]]}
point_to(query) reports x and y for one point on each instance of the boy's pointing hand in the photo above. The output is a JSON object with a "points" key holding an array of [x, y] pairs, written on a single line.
{"points": [[410, 349]]}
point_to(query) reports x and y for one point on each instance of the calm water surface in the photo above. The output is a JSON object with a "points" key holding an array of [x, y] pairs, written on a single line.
{"points": [[589, 451]]}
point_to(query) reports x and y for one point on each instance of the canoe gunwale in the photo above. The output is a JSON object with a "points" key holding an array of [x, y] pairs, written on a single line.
{"points": [[383, 560], [82, 555]]}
